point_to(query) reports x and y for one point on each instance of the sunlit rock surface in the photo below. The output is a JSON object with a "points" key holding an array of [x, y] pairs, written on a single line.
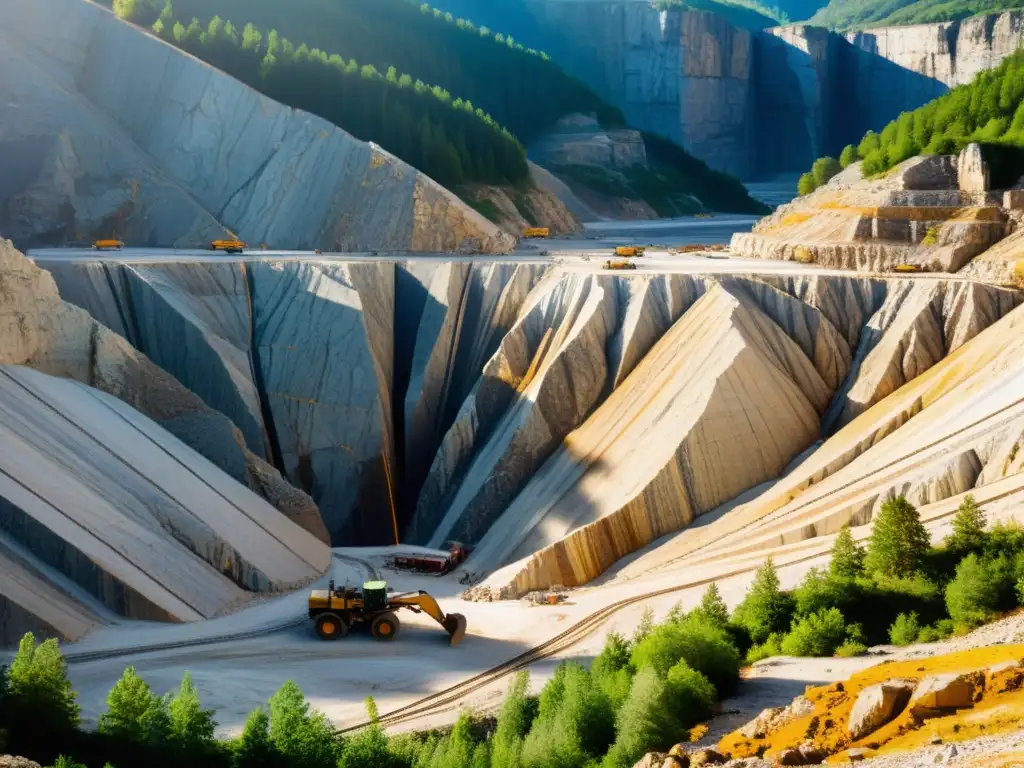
{"points": [[557, 418], [128, 514], [109, 130]]}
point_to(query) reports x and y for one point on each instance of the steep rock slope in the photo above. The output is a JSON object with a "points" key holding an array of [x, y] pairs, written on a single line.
{"points": [[40, 331], [557, 417], [113, 131], [128, 514]]}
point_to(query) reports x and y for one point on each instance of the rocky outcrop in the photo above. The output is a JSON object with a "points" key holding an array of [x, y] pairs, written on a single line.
{"points": [[914, 218], [113, 132], [938, 694], [548, 203], [580, 140], [876, 705]]}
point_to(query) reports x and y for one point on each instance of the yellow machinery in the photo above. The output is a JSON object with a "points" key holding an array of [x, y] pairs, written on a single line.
{"points": [[229, 246], [108, 245], [536, 232], [906, 268], [629, 251], [619, 264], [335, 611]]}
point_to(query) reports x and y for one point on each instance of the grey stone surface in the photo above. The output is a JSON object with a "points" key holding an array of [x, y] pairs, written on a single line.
{"points": [[113, 132], [937, 694], [972, 170], [876, 705]]}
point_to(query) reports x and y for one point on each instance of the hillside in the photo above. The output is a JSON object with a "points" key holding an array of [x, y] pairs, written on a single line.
{"points": [[858, 14], [989, 110]]}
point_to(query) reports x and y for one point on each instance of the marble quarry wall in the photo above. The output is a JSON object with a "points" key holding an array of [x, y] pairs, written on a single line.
{"points": [[553, 419], [769, 101], [109, 131]]}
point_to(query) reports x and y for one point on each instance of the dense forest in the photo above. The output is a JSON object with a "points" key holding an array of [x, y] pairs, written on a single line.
{"points": [[523, 90], [988, 110], [447, 137], [860, 14]]}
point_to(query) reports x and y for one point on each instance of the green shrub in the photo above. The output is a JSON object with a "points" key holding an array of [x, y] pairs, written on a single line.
{"points": [[514, 720], [770, 647], [870, 143], [706, 648], [824, 169], [851, 648], [805, 185], [644, 722], [40, 702], [255, 749], [973, 595], [712, 608], [765, 608], [928, 635], [898, 541], [818, 634], [612, 670], [848, 156], [302, 735], [690, 694], [905, 629], [944, 628]]}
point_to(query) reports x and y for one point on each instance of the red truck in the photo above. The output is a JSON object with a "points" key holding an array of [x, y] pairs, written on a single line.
{"points": [[432, 563]]}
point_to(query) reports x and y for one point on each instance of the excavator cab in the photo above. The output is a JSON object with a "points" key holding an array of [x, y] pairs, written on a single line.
{"points": [[336, 611]]}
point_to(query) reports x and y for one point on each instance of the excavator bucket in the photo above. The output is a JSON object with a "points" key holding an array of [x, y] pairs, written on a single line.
{"points": [[455, 623]]}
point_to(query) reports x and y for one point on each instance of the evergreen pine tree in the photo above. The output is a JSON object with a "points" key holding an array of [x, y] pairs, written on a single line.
{"points": [[847, 556], [643, 723], [898, 541], [513, 724], [369, 747], [254, 749], [132, 709], [712, 607], [191, 726], [968, 527], [643, 629], [765, 608], [301, 736], [38, 692]]}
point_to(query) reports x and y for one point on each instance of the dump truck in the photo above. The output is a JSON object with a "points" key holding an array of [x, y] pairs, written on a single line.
{"points": [[628, 251], [619, 264], [536, 232], [336, 611], [906, 268], [108, 245], [228, 246], [428, 562]]}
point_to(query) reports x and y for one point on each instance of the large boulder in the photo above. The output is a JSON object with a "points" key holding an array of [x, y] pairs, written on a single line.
{"points": [[877, 705], [972, 170], [940, 693]]}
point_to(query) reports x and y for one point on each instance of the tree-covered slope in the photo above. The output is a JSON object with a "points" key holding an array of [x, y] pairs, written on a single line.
{"points": [[988, 110], [859, 14]]}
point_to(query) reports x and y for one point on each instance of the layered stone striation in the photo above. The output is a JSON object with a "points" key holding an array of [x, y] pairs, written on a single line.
{"points": [[553, 418], [110, 131]]}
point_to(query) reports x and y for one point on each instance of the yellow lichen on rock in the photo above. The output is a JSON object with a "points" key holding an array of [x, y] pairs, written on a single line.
{"points": [[992, 676]]}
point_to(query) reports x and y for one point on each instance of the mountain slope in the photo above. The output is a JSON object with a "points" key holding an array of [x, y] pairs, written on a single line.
{"points": [[858, 14]]}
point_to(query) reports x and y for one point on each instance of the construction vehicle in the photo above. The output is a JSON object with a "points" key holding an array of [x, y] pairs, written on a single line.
{"points": [[428, 562], [629, 251], [536, 232], [336, 611], [108, 245], [619, 264], [906, 268], [228, 246]]}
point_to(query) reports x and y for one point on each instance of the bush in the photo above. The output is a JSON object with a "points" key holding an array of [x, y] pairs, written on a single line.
{"points": [[514, 720], [301, 735], [944, 628], [824, 169], [848, 156], [818, 634], [40, 705], [770, 647], [968, 527], [690, 694], [765, 608], [973, 595], [905, 629], [928, 635], [704, 647], [644, 722], [898, 541], [805, 185], [612, 670], [851, 648], [820, 590]]}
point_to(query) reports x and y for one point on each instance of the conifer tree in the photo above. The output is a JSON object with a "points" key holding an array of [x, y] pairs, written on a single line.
{"points": [[643, 723], [712, 607], [513, 724], [38, 692], [898, 541], [765, 608], [191, 726], [133, 710], [255, 749], [847, 556], [968, 527]]}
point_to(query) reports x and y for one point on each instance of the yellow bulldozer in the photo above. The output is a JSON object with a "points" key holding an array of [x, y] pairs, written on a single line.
{"points": [[336, 611]]}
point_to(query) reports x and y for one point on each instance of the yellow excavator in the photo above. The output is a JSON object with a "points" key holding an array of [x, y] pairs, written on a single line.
{"points": [[336, 611]]}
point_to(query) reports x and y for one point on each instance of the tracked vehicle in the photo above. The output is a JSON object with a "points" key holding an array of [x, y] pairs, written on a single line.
{"points": [[336, 611]]}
